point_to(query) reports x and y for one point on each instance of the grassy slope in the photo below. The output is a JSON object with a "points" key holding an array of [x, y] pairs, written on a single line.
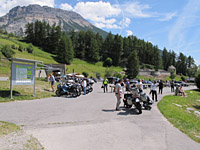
{"points": [[180, 117], [78, 65]]}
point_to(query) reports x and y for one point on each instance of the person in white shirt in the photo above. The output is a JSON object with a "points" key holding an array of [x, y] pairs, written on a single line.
{"points": [[140, 85], [118, 94], [52, 81], [154, 91]]}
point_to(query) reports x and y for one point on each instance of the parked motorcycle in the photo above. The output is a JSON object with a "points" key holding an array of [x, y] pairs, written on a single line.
{"points": [[134, 97], [67, 89]]}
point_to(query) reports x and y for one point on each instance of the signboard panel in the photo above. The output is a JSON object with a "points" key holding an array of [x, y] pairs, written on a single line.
{"points": [[23, 74]]}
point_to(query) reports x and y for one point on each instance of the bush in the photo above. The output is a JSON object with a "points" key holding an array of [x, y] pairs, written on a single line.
{"points": [[98, 75], [172, 75], [118, 75], [11, 35], [30, 48], [21, 48], [7, 51], [197, 80], [107, 62], [13, 46], [108, 72], [183, 78], [85, 74]]}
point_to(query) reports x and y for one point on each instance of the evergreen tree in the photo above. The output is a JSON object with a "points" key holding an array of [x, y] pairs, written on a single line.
{"points": [[132, 65], [93, 54], [116, 51], [80, 47], [70, 51], [29, 31], [181, 66], [65, 54], [107, 46], [165, 59]]}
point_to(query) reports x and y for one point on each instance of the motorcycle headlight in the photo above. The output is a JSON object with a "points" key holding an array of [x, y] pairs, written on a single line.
{"points": [[137, 100]]}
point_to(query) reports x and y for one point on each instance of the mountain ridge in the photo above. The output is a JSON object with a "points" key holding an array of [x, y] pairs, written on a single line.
{"points": [[18, 17]]}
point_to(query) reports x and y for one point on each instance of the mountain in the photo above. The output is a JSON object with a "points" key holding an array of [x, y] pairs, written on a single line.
{"points": [[18, 17]]}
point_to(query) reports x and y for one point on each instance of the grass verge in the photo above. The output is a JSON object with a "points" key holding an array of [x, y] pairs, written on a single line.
{"points": [[182, 118], [25, 92], [6, 128]]}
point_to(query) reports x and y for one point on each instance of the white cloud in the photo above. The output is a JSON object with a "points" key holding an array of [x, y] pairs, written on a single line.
{"points": [[168, 16], [66, 7], [125, 22], [129, 32], [101, 14], [136, 10], [6, 5], [97, 11]]}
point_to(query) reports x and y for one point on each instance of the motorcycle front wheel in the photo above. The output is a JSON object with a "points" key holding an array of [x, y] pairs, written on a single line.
{"points": [[58, 93], [139, 107]]}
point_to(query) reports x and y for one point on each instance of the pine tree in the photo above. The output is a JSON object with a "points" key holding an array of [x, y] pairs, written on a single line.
{"points": [[116, 51], [107, 46], [66, 53], [132, 65], [93, 54]]}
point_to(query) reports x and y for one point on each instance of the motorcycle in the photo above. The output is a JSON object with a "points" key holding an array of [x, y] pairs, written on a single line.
{"points": [[67, 89], [138, 99]]}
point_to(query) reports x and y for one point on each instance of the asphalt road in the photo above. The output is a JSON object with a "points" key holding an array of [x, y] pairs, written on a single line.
{"points": [[90, 122]]}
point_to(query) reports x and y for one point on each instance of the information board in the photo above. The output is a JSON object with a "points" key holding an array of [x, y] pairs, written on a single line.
{"points": [[23, 74]]}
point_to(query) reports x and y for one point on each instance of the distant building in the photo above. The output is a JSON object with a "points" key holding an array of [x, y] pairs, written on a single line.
{"points": [[172, 68]]}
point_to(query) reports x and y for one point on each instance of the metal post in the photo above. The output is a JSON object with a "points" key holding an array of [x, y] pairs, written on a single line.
{"points": [[11, 78], [34, 78]]}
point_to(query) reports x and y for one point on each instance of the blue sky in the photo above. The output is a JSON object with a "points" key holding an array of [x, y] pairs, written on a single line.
{"points": [[167, 23]]}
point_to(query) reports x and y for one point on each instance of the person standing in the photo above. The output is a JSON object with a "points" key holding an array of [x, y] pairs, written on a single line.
{"points": [[154, 91], [105, 85], [140, 86], [160, 87], [52, 81], [118, 94], [172, 86], [127, 84], [84, 86]]}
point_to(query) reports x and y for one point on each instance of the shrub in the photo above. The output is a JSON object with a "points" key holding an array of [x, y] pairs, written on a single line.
{"points": [[7, 51], [108, 72], [118, 75], [30, 48], [197, 80], [183, 78], [107, 62], [85, 74], [21, 48], [172, 75], [98, 75]]}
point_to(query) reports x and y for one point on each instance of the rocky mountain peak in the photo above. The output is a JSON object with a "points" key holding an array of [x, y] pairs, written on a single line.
{"points": [[18, 17]]}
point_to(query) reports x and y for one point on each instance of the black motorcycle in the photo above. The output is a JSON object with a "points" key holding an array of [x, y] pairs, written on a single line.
{"points": [[67, 89]]}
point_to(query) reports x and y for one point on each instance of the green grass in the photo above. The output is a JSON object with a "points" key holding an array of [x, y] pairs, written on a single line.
{"points": [[25, 92], [80, 66], [37, 54], [177, 78], [6, 128], [186, 121]]}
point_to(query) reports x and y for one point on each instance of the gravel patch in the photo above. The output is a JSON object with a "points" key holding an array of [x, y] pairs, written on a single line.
{"points": [[19, 140]]}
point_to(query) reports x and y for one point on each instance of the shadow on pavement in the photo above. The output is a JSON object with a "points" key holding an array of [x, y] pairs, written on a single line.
{"points": [[126, 111], [108, 110]]}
